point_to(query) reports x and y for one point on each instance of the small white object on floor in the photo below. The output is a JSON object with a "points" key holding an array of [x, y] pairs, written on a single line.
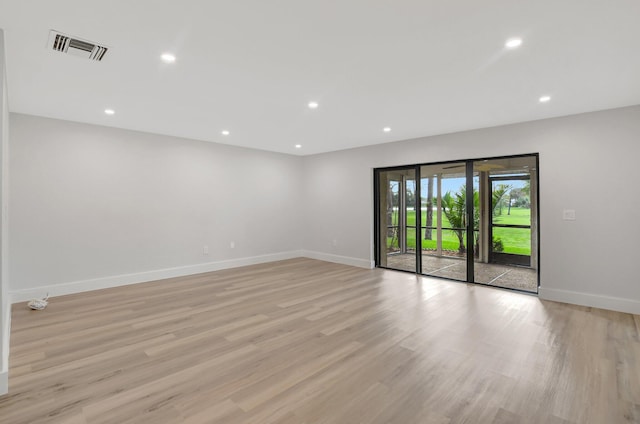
{"points": [[39, 304]]}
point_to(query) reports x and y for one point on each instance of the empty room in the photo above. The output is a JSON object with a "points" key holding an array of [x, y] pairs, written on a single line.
{"points": [[301, 212]]}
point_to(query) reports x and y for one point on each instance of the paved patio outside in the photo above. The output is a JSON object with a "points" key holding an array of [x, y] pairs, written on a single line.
{"points": [[513, 277]]}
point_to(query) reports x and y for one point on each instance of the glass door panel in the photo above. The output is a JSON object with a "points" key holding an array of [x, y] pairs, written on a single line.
{"points": [[444, 220], [510, 221], [397, 219], [506, 252]]}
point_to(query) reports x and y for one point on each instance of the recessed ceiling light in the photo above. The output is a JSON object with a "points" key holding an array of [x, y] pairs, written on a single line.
{"points": [[298, 146], [109, 111], [386, 129], [513, 43], [313, 105], [225, 132], [544, 99], [168, 58]]}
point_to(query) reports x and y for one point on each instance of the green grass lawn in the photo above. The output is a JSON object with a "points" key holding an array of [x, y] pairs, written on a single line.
{"points": [[518, 216], [514, 240]]}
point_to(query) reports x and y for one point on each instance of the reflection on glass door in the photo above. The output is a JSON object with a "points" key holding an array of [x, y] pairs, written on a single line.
{"points": [[397, 194], [444, 220]]}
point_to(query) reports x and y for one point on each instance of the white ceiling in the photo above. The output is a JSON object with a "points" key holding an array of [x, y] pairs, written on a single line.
{"points": [[421, 67]]}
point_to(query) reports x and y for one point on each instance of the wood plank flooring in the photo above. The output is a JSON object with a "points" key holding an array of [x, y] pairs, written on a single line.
{"points": [[304, 341]]}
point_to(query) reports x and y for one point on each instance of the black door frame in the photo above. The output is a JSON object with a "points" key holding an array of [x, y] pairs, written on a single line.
{"points": [[506, 258], [469, 209], [377, 239]]}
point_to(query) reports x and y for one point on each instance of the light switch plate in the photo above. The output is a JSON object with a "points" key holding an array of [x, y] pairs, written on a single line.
{"points": [[569, 215]]}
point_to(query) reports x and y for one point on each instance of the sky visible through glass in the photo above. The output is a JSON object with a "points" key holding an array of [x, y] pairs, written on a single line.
{"points": [[452, 185]]}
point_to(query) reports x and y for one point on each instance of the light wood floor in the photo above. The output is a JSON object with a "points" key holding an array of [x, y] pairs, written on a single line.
{"points": [[304, 341]]}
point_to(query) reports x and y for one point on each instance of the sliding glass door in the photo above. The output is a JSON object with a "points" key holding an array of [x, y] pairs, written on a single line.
{"points": [[473, 220], [507, 249], [397, 219], [444, 220]]}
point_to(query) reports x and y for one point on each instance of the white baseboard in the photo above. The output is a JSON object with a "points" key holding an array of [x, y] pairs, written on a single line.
{"points": [[4, 383], [4, 361], [593, 300], [141, 277], [345, 260]]}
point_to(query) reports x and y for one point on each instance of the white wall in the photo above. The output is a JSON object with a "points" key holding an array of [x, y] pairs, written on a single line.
{"points": [[588, 162], [5, 304], [97, 207]]}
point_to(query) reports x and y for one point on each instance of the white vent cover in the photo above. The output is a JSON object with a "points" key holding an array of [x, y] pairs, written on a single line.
{"points": [[75, 46]]}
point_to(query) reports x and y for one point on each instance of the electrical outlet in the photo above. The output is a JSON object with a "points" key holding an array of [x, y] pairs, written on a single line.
{"points": [[334, 242], [232, 245], [205, 250], [569, 215]]}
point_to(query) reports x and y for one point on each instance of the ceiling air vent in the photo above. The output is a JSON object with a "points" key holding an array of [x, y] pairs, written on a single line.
{"points": [[75, 46]]}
